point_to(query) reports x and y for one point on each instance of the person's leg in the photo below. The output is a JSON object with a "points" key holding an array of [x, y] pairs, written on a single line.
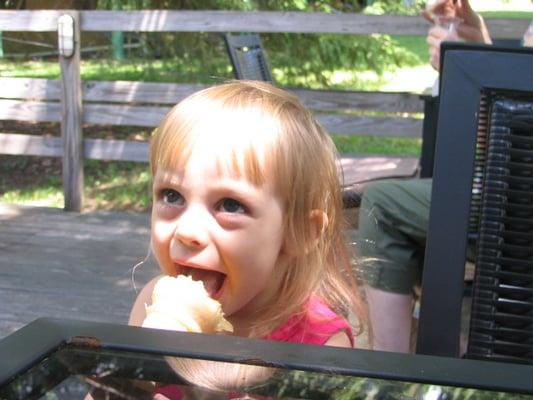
{"points": [[390, 316], [393, 222]]}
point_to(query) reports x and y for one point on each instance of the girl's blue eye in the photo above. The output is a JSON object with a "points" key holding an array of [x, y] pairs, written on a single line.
{"points": [[171, 196], [232, 206]]}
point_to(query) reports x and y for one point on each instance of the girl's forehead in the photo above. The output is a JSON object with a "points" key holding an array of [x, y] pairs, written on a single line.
{"points": [[226, 135], [237, 125]]}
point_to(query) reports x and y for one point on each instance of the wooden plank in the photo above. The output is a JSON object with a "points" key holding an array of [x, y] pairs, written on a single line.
{"points": [[138, 92], [102, 149], [171, 93], [272, 21], [31, 145], [95, 149], [507, 27], [151, 116], [373, 126], [30, 111], [239, 21], [71, 119], [368, 101], [112, 114], [30, 89], [30, 21], [335, 123], [253, 21], [123, 150]]}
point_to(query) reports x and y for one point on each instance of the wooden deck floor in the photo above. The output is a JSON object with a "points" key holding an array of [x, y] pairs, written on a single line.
{"points": [[69, 265]]}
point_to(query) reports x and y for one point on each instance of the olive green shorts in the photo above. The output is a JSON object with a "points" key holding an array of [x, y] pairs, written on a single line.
{"points": [[393, 221]]}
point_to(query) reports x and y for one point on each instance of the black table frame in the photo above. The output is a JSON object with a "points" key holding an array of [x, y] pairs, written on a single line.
{"points": [[28, 346]]}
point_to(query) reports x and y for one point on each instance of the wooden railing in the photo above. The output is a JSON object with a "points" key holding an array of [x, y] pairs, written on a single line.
{"points": [[74, 103]]}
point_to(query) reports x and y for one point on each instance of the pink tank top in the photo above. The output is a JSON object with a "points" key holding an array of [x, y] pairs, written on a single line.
{"points": [[316, 326]]}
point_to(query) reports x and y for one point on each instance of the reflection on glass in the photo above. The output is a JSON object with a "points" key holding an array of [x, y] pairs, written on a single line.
{"points": [[85, 373]]}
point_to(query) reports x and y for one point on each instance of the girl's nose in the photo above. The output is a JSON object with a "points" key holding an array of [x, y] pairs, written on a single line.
{"points": [[191, 229]]}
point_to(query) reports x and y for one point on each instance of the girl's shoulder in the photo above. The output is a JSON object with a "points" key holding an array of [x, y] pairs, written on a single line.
{"points": [[138, 311], [315, 325]]}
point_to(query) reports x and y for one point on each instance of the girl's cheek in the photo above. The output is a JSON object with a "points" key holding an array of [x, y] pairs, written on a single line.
{"points": [[161, 237], [165, 211]]}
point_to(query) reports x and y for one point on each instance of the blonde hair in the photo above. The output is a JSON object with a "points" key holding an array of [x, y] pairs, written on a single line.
{"points": [[267, 135]]}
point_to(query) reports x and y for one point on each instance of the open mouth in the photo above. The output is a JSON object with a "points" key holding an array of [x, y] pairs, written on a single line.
{"points": [[212, 280]]}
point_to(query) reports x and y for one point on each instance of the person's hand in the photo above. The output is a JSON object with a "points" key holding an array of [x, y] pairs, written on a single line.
{"points": [[471, 27], [436, 35]]}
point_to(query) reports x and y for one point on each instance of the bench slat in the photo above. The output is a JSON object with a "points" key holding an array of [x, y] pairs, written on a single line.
{"points": [[100, 149], [30, 111], [171, 93], [51, 146], [239, 21], [147, 116]]}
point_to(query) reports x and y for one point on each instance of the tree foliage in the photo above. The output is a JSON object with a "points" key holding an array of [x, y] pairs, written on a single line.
{"points": [[297, 59], [310, 60]]}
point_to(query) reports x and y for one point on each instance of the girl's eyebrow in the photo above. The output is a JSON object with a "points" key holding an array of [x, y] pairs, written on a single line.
{"points": [[169, 178], [236, 184]]}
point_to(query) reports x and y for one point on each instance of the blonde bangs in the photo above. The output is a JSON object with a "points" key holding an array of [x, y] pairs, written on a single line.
{"points": [[238, 136]]}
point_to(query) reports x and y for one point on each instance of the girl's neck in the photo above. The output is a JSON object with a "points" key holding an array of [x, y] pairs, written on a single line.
{"points": [[246, 321], [243, 324]]}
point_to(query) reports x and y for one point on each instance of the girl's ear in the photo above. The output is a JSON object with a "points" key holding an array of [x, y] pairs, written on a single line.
{"points": [[318, 221]]}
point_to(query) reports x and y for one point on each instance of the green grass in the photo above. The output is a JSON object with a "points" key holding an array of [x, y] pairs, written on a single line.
{"points": [[117, 185], [29, 69], [128, 70], [108, 185], [49, 195], [416, 45], [507, 14], [401, 146]]}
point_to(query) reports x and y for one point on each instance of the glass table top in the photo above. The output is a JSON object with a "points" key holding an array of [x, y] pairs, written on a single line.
{"points": [[120, 362]]}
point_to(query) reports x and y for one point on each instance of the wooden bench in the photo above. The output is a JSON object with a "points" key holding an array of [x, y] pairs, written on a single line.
{"points": [[144, 104]]}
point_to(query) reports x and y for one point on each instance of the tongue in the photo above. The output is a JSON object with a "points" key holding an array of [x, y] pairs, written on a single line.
{"points": [[212, 280]]}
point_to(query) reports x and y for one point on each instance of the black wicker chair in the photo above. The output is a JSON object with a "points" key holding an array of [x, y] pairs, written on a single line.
{"points": [[482, 193]]}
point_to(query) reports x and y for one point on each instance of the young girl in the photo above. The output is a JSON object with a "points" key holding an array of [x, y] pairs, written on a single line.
{"points": [[246, 199]]}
